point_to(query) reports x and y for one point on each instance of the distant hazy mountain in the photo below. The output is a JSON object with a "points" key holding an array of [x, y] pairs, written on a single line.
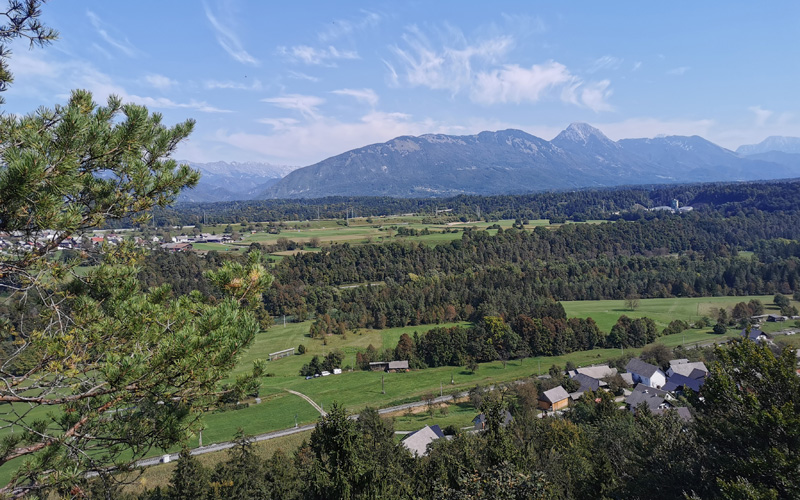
{"points": [[512, 161], [222, 181], [773, 143]]}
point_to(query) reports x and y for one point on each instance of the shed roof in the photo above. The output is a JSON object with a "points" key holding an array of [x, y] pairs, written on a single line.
{"points": [[554, 395]]}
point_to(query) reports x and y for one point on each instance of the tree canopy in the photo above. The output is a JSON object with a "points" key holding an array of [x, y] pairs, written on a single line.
{"points": [[95, 372]]}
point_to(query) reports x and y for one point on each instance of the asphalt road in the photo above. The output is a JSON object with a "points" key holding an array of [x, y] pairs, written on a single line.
{"points": [[212, 448]]}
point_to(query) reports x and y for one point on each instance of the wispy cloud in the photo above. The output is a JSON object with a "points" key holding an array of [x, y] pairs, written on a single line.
{"points": [[761, 115], [306, 105], [340, 28], [636, 66], [160, 82], [604, 63], [229, 40], [364, 95], [478, 68], [297, 75], [513, 83], [39, 76], [312, 56], [678, 71], [164, 103], [451, 66], [279, 123], [119, 42], [230, 85]]}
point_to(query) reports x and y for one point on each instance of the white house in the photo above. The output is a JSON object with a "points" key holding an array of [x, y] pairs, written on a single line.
{"points": [[646, 373]]}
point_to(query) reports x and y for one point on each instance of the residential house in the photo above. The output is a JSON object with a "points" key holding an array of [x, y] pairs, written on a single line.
{"points": [[755, 335], [417, 442], [653, 398], [677, 382], [587, 384], [685, 368], [554, 399], [682, 411], [480, 421], [597, 371], [646, 373]]}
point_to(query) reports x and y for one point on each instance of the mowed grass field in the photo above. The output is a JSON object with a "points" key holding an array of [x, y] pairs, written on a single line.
{"points": [[662, 311], [359, 231]]}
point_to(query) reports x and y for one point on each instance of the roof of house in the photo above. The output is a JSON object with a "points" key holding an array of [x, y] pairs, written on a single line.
{"points": [[654, 398], [554, 395], [678, 381], [683, 412], [398, 365], [639, 367], [755, 333], [587, 383], [417, 443], [480, 419], [627, 377], [686, 369], [598, 371]]}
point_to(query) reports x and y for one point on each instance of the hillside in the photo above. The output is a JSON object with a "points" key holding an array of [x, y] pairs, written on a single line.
{"points": [[512, 161]]}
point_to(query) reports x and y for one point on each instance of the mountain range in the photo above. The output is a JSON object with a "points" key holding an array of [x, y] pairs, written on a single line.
{"points": [[512, 161], [223, 181]]}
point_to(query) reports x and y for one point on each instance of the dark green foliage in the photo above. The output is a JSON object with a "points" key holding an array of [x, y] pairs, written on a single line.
{"points": [[720, 329], [748, 423], [190, 480], [241, 476]]}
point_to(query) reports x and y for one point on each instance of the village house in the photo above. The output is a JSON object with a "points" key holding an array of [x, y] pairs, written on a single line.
{"points": [[646, 373], [555, 399], [480, 421], [417, 442]]}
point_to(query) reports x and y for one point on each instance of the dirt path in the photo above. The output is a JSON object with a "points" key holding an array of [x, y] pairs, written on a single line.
{"points": [[310, 401]]}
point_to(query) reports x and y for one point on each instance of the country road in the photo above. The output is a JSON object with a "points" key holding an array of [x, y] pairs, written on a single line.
{"points": [[212, 448]]}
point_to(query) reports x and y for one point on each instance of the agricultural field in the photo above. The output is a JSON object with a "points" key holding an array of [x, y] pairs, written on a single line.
{"points": [[356, 231], [662, 311]]}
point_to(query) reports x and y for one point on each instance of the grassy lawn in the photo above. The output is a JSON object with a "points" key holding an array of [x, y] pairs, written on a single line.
{"points": [[457, 414], [662, 311]]}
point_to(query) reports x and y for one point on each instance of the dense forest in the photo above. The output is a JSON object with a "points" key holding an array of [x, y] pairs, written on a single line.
{"points": [[602, 204]]}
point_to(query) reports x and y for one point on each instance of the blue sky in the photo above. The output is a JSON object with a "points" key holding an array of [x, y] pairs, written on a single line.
{"points": [[296, 82]]}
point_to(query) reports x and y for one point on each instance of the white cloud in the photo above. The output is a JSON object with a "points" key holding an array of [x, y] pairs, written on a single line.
{"points": [[605, 63], [229, 40], [636, 66], [364, 95], [340, 28], [159, 81], [310, 55], [515, 84], [123, 44], [678, 71], [307, 143], [450, 68], [279, 123], [297, 75], [595, 96], [762, 115], [41, 77], [227, 84], [305, 104], [477, 69], [164, 103]]}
